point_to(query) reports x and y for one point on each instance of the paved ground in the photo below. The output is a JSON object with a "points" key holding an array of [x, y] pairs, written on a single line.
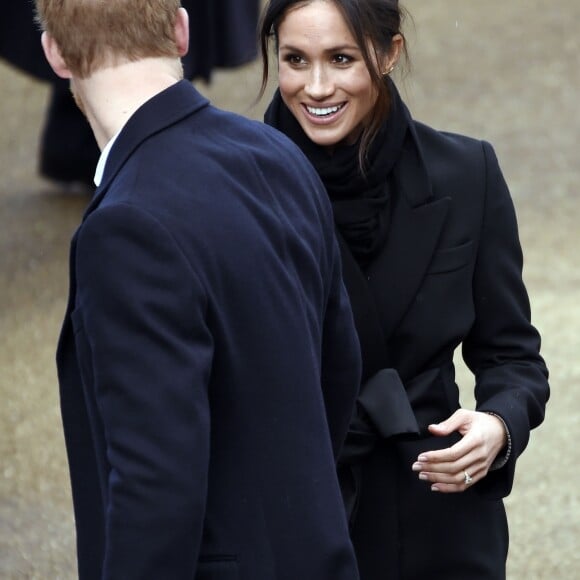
{"points": [[504, 71]]}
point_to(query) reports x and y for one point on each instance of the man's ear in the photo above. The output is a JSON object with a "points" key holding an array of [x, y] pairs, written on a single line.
{"points": [[182, 32], [53, 56]]}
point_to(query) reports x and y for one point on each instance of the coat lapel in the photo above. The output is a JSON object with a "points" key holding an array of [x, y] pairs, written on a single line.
{"points": [[416, 225]]}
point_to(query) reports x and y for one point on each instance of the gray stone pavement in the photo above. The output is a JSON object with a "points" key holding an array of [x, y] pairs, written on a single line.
{"points": [[503, 71]]}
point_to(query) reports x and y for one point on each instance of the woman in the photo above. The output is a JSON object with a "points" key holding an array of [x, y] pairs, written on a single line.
{"points": [[432, 261]]}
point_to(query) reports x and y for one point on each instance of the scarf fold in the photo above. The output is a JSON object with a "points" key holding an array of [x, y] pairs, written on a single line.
{"points": [[361, 202]]}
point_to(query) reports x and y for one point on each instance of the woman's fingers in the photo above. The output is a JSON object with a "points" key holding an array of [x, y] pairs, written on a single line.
{"points": [[458, 467]]}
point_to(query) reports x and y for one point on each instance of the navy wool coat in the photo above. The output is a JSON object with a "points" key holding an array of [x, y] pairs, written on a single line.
{"points": [[208, 361]]}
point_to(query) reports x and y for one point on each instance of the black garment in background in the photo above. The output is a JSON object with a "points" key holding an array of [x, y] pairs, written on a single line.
{"points": [[68, 151], [222, 35], [20, 39]]}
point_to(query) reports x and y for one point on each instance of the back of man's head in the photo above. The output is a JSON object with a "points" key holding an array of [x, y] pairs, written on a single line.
{"points": [[92, 34]]}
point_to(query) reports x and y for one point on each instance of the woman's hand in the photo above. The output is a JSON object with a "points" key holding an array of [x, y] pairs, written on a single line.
{"points": [[454, 469]]}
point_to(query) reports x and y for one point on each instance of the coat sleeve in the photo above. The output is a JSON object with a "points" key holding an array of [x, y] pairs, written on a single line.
{"points": [[142, 310], [503, 347]]}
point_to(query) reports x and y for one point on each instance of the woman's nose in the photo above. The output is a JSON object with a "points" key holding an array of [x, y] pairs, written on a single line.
{"points": [[319, 84]]}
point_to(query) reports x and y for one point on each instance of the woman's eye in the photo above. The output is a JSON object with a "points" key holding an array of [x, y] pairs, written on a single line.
{"points": [[342, 59], [294, 59]]}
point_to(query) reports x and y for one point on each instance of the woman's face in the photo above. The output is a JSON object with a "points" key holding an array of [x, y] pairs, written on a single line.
{"points": [[323, 77]]}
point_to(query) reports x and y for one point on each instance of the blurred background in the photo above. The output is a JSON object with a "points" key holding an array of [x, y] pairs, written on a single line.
{"points": [[506, 72]]}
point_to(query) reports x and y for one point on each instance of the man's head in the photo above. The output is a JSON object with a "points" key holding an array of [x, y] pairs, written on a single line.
{"points": [[92, 34]]}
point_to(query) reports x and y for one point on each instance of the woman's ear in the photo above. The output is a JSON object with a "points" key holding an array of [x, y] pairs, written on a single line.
{"points": [[390, 60], [53, 56], [182, 32]]}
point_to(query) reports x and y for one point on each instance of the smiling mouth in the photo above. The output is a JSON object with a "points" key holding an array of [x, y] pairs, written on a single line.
{"points": [[322, 112]]}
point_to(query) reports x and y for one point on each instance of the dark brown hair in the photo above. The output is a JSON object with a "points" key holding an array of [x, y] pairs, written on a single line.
{"points": [[377, 21]]}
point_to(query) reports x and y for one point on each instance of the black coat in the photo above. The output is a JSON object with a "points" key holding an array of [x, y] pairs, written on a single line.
{"points": [[222, 35], [449, 275]]}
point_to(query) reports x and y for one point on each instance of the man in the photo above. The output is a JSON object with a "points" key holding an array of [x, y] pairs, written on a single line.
{"points": [[208, 361]]}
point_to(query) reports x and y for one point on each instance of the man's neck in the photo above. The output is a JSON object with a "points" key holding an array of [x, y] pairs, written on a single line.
{"points": [[110, 96]]}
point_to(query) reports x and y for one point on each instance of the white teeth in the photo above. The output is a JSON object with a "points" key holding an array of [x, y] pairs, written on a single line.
{"points": [[322, 112]]}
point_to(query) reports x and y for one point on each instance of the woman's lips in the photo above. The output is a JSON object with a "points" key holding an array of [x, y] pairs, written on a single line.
{"points": [[323, 115]]}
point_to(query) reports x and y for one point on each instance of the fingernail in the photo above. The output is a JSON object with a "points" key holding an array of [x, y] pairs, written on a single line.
{"points": [[416, 466], [422, 458], [434, 488], [423, 477]]}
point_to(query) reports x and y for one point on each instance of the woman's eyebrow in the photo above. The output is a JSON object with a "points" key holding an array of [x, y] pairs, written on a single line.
{"points": [[338, 48]]}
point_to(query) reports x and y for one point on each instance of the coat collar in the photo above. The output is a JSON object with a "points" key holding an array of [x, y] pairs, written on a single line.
{"points": [[164, 109]]}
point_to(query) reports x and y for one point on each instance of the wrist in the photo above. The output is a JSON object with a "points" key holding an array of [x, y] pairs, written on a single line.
{"points": [[504, 454]]}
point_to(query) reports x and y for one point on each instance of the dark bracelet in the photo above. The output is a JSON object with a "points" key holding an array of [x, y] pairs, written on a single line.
{"points": [[501, 460]]}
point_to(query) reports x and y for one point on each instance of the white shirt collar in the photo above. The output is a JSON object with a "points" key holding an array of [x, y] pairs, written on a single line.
{"points": [[103, 160]]}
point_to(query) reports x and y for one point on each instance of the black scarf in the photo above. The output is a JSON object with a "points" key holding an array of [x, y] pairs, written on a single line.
{"points": [[361, 203]]}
